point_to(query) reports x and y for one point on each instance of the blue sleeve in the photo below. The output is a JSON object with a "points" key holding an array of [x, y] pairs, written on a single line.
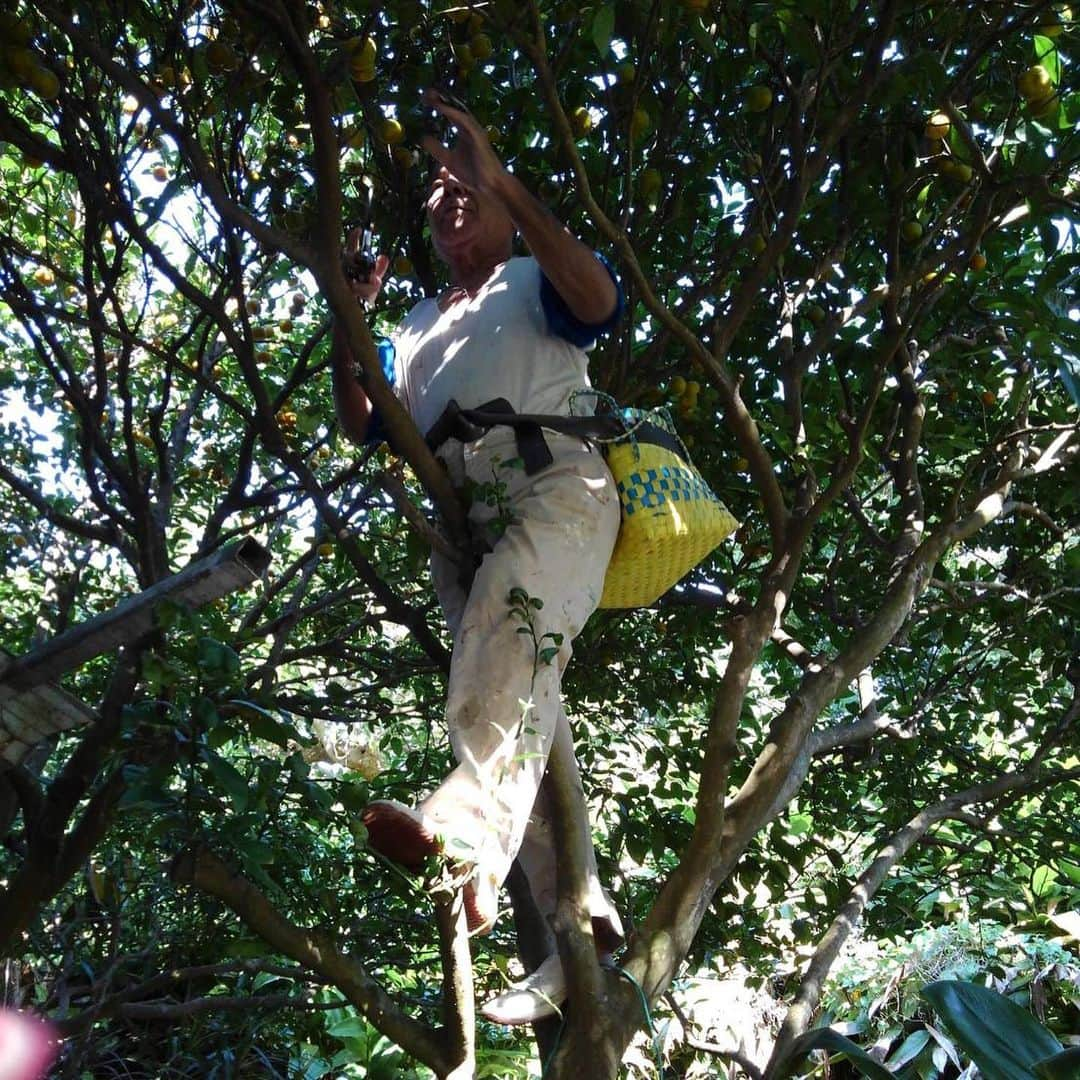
{"points": [[376, 432], [565, 324]]}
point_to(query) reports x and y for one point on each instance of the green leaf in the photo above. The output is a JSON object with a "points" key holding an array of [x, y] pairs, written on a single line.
{"points": [[910, 1048], [159, 673], [603, 27], [827, 1039], [227, 778], [1004, 1040], [1063, 1066], [256, 852], [263, 978], [169, 614], [1043, 880], [1046, 53], [246, 948], [216, 658], [204, 711], [1070, 870], [351, 1027], [264, 725], [1069, 371], [221, 735]]}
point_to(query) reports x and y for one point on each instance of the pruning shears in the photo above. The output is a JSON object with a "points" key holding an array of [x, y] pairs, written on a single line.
{"points": [[358, 265]]}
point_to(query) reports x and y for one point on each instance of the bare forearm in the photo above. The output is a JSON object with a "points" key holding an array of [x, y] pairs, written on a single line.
{"points": [[352, 405], [571, 266]]}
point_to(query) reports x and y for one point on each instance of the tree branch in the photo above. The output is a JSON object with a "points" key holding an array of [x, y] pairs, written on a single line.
{"points": [[458, 1000], [105, 534], [183, 1010], [573, 922], [713, 1049], [891, 852], [314, 949]]}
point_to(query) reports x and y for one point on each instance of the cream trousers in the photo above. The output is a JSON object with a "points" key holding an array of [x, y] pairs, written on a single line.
{"points": [[551, 537]]}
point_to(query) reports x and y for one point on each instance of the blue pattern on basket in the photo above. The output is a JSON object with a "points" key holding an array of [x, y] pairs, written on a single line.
{"points": [[655, 486]]}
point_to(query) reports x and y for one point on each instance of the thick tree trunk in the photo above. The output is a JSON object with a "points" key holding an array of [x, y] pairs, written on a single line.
{"points": [[594, 1050]]}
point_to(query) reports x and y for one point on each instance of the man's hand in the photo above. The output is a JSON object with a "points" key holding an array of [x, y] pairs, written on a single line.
{"points": [[365, 288], [471, 159]]}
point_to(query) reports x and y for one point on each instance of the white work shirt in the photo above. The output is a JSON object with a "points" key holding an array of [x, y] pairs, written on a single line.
{"points": [[497, 344]]}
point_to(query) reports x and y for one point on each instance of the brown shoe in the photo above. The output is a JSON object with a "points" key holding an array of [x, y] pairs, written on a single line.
{"points": [[400, 833]]}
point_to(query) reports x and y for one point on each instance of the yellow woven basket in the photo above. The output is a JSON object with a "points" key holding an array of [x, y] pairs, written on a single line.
{"points": [[670, 517]]}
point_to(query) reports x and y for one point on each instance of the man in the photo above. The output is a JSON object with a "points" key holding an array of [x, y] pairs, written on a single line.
{"points": [[511, 328]]}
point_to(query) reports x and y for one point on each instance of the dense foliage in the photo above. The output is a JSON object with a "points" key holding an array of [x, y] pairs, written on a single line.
{"points": [[847, 231]]}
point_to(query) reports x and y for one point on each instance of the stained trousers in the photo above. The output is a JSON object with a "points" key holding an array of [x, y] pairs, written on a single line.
{"points": [[551, 537]]}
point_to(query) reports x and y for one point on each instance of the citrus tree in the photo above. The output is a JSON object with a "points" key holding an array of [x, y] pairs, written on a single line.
{"points": [[847, 235]]}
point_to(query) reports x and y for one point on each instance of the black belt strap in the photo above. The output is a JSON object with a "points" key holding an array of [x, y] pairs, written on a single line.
{"points": [[468, 425]]}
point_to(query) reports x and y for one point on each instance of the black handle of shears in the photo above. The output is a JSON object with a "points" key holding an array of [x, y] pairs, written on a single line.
{"points": [[359, 266]]}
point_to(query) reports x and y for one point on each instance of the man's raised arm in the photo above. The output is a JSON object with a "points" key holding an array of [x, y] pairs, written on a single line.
{"points": [[583, 282]]}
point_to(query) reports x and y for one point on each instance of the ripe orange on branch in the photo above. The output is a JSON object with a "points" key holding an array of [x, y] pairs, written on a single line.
{"points": [[960, 171], [937, 126], [363, 52], [640, 123], [651, 182], [362, 56], [221, 57], [911, 231], [1055, 22], [480, 46], [581, 121], [391, 132], [758, 99], [44, 83], [1035, 84]]}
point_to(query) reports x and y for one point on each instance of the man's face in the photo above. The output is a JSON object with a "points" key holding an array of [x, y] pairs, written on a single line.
{"points": [[462, 219]]}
